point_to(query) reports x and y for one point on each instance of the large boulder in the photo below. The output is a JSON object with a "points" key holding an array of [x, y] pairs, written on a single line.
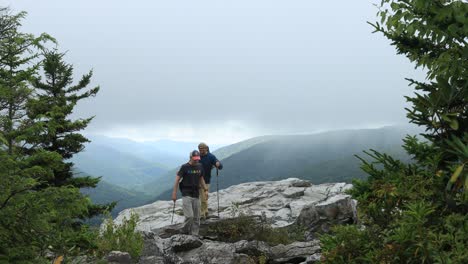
{"points": [[180, 243], [296, 252], [117, 257]]}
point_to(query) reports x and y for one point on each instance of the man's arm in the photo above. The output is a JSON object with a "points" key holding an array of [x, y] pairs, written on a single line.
{"points": [[202, 180], [216, 162], [174, 190], [203, 184]]}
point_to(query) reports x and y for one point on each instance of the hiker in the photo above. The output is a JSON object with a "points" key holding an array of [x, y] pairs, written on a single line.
{"points": [[190, 180], [208, 161]]}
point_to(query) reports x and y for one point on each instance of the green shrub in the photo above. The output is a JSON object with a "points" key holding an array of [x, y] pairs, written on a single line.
{"points": [[245, 227], [234, 229], [121, 238], [347, 244]]}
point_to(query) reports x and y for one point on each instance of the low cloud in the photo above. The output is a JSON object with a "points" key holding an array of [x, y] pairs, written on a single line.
{"points": [[227, 70]]}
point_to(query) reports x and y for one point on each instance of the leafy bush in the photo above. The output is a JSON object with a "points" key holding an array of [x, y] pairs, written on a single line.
{"points": [[120, 237], [348, 244], [244, 227]]}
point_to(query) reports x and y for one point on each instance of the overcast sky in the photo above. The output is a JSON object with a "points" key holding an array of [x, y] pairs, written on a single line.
{"points": [[222, 71]]}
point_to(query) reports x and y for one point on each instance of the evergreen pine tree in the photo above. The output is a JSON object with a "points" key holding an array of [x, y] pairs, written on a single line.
{"points": [[36, 215], [16, 71], [54, 102], [52, 106]]}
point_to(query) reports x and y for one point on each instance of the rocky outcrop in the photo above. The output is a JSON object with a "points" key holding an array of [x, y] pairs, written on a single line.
{"points": [[280, 203], [189, 249], [119, 257]]}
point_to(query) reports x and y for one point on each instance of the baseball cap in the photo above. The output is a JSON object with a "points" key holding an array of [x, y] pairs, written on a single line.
{"points": [[195, 155]]}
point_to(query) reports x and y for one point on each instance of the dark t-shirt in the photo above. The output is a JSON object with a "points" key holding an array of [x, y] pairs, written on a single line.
{"points": [[190, 182], [208, 161]]}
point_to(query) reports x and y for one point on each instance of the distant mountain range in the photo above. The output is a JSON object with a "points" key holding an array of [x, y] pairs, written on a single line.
{"points": [[230, 150], [130, 164], [133, 172], [322, 157], [106, 193], [165, 153], [116, 167], [168, 153]]}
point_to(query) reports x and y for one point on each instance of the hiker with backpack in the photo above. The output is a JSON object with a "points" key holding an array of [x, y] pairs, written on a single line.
{"points": [[208, 161], [190, 180]]}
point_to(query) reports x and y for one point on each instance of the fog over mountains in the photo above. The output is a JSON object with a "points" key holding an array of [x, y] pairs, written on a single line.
{"points": [[128, 168], [136, 173], [130, 164], [319, 158]]}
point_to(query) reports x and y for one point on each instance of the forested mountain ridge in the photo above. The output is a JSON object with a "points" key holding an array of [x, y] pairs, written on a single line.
{"points": [[107, 193], [319, 158], [116, 167]]}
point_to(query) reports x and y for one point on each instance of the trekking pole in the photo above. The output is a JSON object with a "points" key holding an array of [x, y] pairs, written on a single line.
{"points": [[217, 187], [173, 210]]}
